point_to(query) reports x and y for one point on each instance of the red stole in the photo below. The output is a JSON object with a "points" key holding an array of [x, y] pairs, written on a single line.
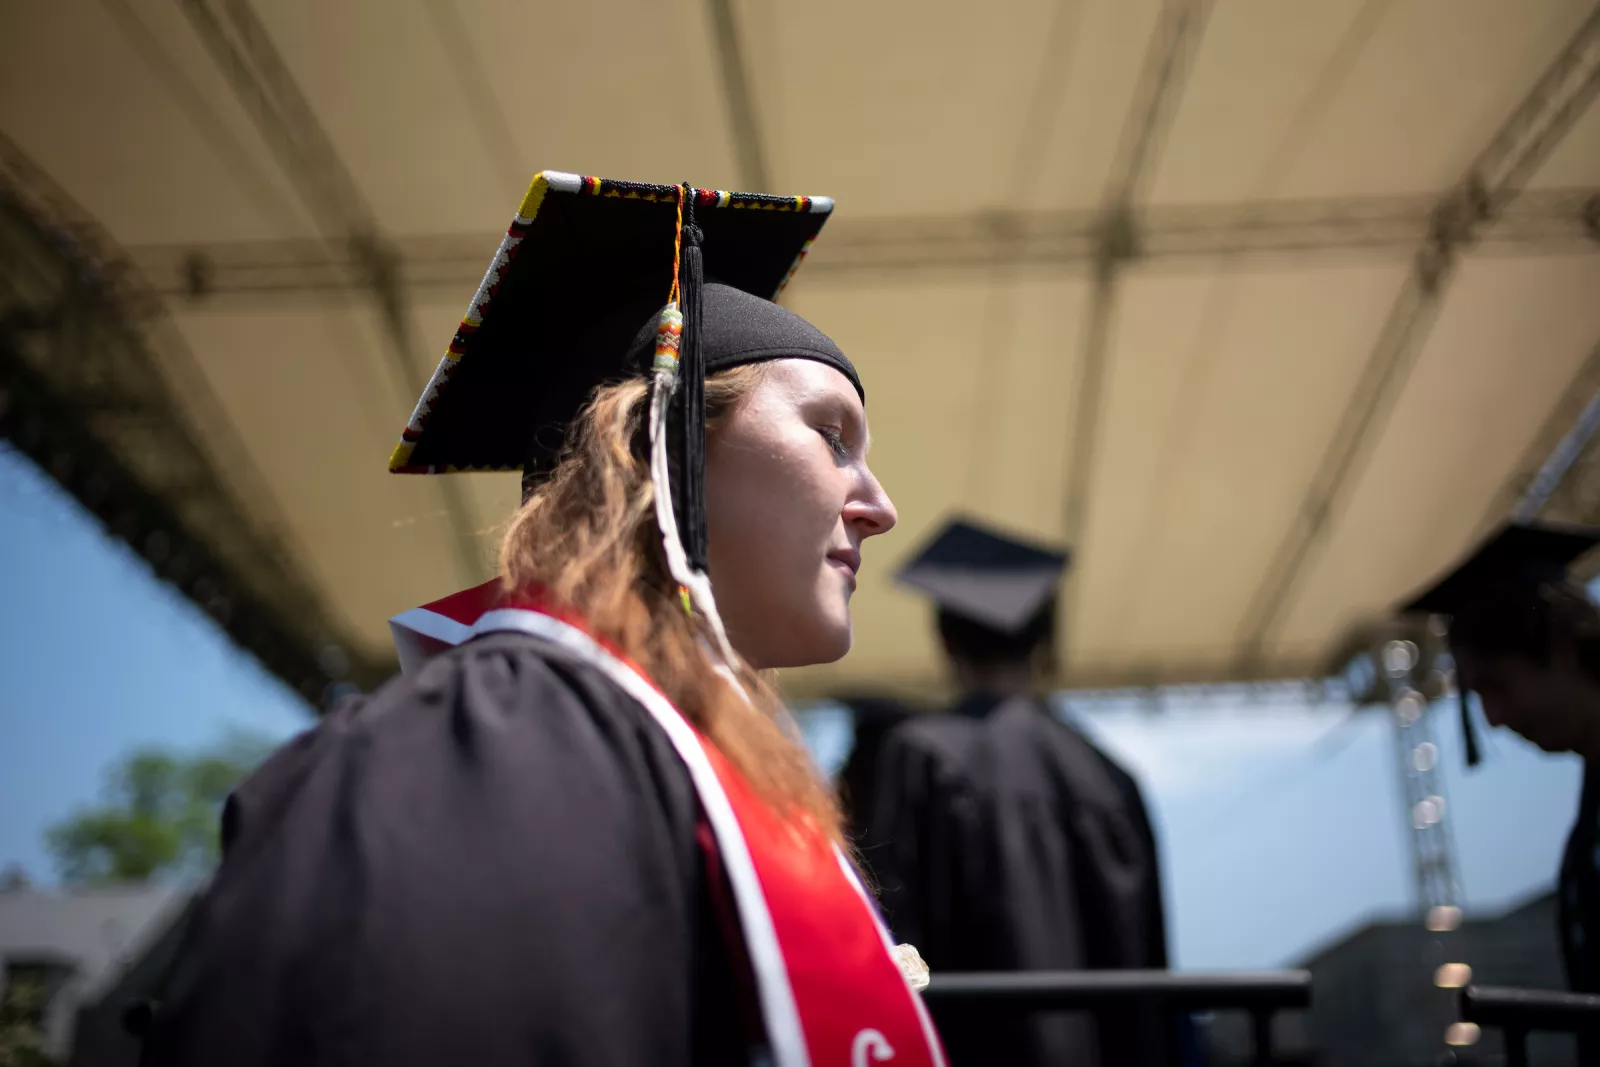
{"points": [[830, 992]]}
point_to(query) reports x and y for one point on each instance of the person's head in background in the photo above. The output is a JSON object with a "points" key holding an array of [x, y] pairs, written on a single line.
{"points": [[988, 661], [1525, 637], [1533, 657], [996, 606]]}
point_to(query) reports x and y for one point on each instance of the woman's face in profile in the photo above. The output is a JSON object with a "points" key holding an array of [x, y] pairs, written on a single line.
{"points": [[789, 501]]}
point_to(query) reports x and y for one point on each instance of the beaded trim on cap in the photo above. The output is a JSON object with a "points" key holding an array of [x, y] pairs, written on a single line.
{"points": [[546, 183]]}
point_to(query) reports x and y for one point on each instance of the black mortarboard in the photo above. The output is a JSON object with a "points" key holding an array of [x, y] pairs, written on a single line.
{"points": [[1530, 553], [988, 577], [597, 281], [1515, 560]]}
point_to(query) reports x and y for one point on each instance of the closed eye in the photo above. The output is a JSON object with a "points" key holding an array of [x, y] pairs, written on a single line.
{"points": [[835, 439]]}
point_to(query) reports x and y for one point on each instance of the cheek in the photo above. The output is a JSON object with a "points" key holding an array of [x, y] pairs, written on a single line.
{"points": [[745, 498], [771, 506], [1495, 709], [1528, 703]]}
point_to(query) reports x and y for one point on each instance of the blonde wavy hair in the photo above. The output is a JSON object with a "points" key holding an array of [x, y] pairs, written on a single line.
{"points": [[588, 538]]}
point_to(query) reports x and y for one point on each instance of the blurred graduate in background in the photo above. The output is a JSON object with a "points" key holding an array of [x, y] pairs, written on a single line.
{"points": [[1526, 639], [1001, 837]]}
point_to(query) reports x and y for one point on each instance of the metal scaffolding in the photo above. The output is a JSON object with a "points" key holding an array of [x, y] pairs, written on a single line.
{"points": [[1565, 486], [1172, 236], [1161, 82], [84, 394], [1402, 667], [1487, 212], [1484, 195]]}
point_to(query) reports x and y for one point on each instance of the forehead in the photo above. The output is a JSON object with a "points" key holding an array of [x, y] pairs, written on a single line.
{"points": [[808, 379]]}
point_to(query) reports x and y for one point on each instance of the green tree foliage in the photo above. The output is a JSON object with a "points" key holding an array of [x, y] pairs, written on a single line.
{"points": [[159, 815], [21, 1011]]}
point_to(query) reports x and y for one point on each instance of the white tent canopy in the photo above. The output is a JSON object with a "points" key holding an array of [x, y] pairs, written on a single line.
{"points": [[1269, 309]]}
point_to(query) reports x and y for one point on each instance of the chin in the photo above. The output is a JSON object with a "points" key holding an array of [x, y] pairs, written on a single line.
{"points": [[811, 653], [823, 641], [1544, 740], [837, 648], [1553, 745], [837, 635]]}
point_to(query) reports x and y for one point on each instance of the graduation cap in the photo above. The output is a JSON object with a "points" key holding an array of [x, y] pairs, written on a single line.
{"points": [[597, 281], [984, 576], [1511, 565]]}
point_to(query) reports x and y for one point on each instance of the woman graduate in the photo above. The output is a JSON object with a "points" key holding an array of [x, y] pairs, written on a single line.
{"points": [[587, 834]]}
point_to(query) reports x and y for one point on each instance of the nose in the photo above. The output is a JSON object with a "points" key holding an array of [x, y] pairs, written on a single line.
{"points": [[869, 511]]}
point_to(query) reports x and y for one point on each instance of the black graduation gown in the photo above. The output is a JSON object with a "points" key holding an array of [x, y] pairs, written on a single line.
{"points": [[492, 862], [1009, 842], [1578, 902], [874, 719], [1579, 897]]}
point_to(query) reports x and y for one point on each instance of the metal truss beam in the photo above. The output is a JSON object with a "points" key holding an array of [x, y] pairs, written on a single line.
{"points": [[1160, 86], [1175, 237], [1542, 485], [248, 59], [85, 395], [1564, 483], [1485, 194], [1188, 236]]}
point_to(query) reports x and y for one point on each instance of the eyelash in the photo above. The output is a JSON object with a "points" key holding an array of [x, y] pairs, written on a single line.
{"points": [[835, 441]]}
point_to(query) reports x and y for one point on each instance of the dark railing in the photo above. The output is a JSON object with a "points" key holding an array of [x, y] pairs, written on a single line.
{"points": [[1261, 993], [1517, 1011]]}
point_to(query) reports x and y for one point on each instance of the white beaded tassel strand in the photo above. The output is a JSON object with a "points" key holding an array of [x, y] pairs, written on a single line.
{"points": [[669, 335]]}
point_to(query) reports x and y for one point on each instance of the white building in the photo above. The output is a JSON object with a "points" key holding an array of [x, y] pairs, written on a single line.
{"points": [[91, 948]]}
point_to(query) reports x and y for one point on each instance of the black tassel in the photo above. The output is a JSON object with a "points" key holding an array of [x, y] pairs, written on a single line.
{"points": [[1468, 733], [689, 495]]}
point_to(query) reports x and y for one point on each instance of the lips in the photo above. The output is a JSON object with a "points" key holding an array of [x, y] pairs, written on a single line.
{"points": [[848, 561]]}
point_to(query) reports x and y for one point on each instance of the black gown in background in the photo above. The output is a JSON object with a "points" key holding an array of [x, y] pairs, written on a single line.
{"points": [[874, 719], [1008, 842], [1578, 902], [491, 862], [1579, 897]]}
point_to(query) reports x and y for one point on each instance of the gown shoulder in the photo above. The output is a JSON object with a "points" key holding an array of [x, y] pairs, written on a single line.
{"points": [[492, 861]]}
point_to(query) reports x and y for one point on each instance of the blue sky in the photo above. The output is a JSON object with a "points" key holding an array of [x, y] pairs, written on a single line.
{"points": [[1281, 826], [98, 656]]}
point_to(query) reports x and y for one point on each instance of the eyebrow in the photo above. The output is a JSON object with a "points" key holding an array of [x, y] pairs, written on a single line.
{"points": [[857, 411], [866, 444]]}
